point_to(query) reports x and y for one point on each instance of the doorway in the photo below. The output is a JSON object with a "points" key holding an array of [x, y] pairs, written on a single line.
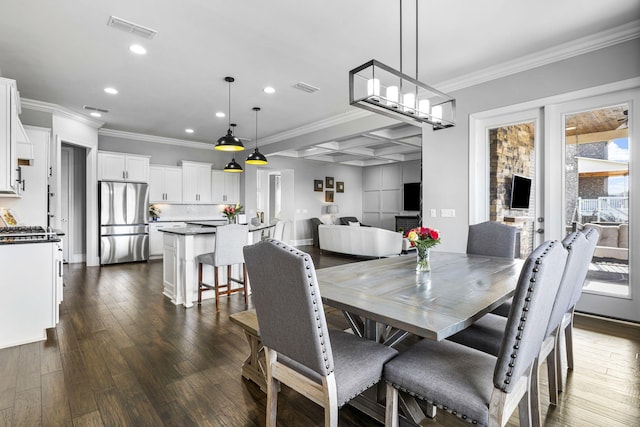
{"points": [[73, 202], [507, 150]]}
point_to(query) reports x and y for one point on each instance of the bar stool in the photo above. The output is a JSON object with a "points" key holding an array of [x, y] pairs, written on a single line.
{"points": [[230, 239]]}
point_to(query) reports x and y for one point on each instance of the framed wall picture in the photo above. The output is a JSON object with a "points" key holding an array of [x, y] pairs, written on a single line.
{"points": [[317, 185], [328, 196], [339, 187], [328, 182]]}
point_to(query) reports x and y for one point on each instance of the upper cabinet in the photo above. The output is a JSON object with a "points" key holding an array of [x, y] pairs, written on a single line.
{"points": [[225, 187], [122, 167], [11, 133], [165, 184], [196, 182]]}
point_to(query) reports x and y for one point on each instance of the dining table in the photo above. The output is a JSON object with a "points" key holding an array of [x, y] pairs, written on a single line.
{"points": [[387, 300]]}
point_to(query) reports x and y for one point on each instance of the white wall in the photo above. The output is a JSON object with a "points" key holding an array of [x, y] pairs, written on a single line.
{"points": [[309, 203], [445, 153]]}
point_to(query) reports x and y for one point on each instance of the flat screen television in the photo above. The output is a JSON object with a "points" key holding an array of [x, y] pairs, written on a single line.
{"points": [[520, 192], [412, 196]]}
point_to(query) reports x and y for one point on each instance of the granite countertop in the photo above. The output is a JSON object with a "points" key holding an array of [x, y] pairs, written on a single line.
{"points": [[209, 223], [198, 228]]}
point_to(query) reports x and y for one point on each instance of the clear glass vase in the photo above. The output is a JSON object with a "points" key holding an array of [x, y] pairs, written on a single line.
{"points": [[423, 261]]}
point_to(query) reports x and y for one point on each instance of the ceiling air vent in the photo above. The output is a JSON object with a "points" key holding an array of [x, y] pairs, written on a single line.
{"points": [[305, 87], [99, 110], [130, 27]]}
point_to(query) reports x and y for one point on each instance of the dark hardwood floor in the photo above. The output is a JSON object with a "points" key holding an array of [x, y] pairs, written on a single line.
{"points": [[123, 355]]}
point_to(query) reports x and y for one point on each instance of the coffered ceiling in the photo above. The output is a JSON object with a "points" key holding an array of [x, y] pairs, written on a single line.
{"points": [[63, 53]]}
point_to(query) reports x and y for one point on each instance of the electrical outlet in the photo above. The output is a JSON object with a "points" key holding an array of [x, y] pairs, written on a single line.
{"points": [[447, 213], [434, 213]]}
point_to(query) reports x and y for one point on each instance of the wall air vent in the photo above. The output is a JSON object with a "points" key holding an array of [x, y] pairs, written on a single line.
{"points": [[305, 87], [99, 110], [130, 27]]}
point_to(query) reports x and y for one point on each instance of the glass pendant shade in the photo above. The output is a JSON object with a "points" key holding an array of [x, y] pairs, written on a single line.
{"points": [[233, 166], [256, 158], [229, 142]]}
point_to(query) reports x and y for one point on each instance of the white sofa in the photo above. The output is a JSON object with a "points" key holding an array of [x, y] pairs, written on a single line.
{"points": [[613, 241], [361, 241]]}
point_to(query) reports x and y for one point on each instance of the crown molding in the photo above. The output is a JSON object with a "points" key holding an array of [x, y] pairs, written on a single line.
{"points": [[339, 119], [556, 53], [47, 107], [152, 138]]}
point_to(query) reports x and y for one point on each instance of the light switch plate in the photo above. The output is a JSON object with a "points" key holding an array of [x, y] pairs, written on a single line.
{"points": [[434, 213], [447, 213]]}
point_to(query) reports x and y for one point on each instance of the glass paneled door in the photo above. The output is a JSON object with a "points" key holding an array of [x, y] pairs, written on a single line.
{"points": [[600, 187]]}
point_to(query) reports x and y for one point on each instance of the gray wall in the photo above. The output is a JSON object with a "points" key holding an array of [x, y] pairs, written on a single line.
{"points": [[446, 152]]}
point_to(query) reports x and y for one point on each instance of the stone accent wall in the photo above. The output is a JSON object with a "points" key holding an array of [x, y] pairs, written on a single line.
{"points": [[512, 152]]}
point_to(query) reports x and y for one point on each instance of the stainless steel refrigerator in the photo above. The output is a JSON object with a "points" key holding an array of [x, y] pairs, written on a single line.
{"points": [[124, 224]]}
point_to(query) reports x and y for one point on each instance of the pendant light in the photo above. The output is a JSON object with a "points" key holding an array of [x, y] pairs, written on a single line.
{"points": [[229, 142], [256, 158], [232, 166]]}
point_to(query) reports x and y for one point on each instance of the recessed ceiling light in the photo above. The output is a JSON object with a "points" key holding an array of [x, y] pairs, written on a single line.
{"points": [[111, 90], [269, 89], [95, 114], [220, 114], [137, 49], [188, 130]]}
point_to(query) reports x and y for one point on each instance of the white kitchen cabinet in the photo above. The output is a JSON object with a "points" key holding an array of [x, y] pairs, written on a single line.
{"points": [[196, 182], [225, 187], [156, 236], [122, 167], [31, 206], [29, 303], [11, 132], [165, 184]]}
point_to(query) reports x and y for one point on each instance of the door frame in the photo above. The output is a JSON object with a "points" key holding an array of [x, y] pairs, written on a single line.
{"points": [[627, 308], [69, 173]]}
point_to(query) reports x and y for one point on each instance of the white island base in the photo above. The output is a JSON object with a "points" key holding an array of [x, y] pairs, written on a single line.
{"points": [[181, 246]]}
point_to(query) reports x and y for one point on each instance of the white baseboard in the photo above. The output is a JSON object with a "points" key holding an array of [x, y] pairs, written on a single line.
{"points": [[302, 242], [77, 258]]}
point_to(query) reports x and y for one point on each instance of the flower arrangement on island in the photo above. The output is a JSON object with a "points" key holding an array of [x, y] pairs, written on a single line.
{"points": [[154, 212], [423, 239], [230, 211]]}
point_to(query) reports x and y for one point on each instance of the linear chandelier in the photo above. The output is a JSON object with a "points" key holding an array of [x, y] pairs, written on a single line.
{"points": [[381, 89]]}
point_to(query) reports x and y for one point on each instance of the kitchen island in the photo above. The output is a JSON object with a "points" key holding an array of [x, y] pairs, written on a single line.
{"points": [[181, 247]]}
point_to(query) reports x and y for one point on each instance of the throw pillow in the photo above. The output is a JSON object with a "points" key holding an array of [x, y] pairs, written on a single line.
{"points": [[354, 224]]}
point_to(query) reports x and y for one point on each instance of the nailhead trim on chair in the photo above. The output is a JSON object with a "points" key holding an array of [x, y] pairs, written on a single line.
{"points": [[307, 264], [443, 407], [523, 317]]}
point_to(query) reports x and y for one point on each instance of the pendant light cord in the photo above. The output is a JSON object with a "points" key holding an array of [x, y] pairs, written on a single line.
{"points": [[257, 129], [229, 105]]}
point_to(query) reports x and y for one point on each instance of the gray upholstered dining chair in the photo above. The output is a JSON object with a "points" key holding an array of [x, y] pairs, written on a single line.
{"points": [[566, 326], [487, 333], [328, 367], [473, 385], [229, 241], [492, 239]]}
